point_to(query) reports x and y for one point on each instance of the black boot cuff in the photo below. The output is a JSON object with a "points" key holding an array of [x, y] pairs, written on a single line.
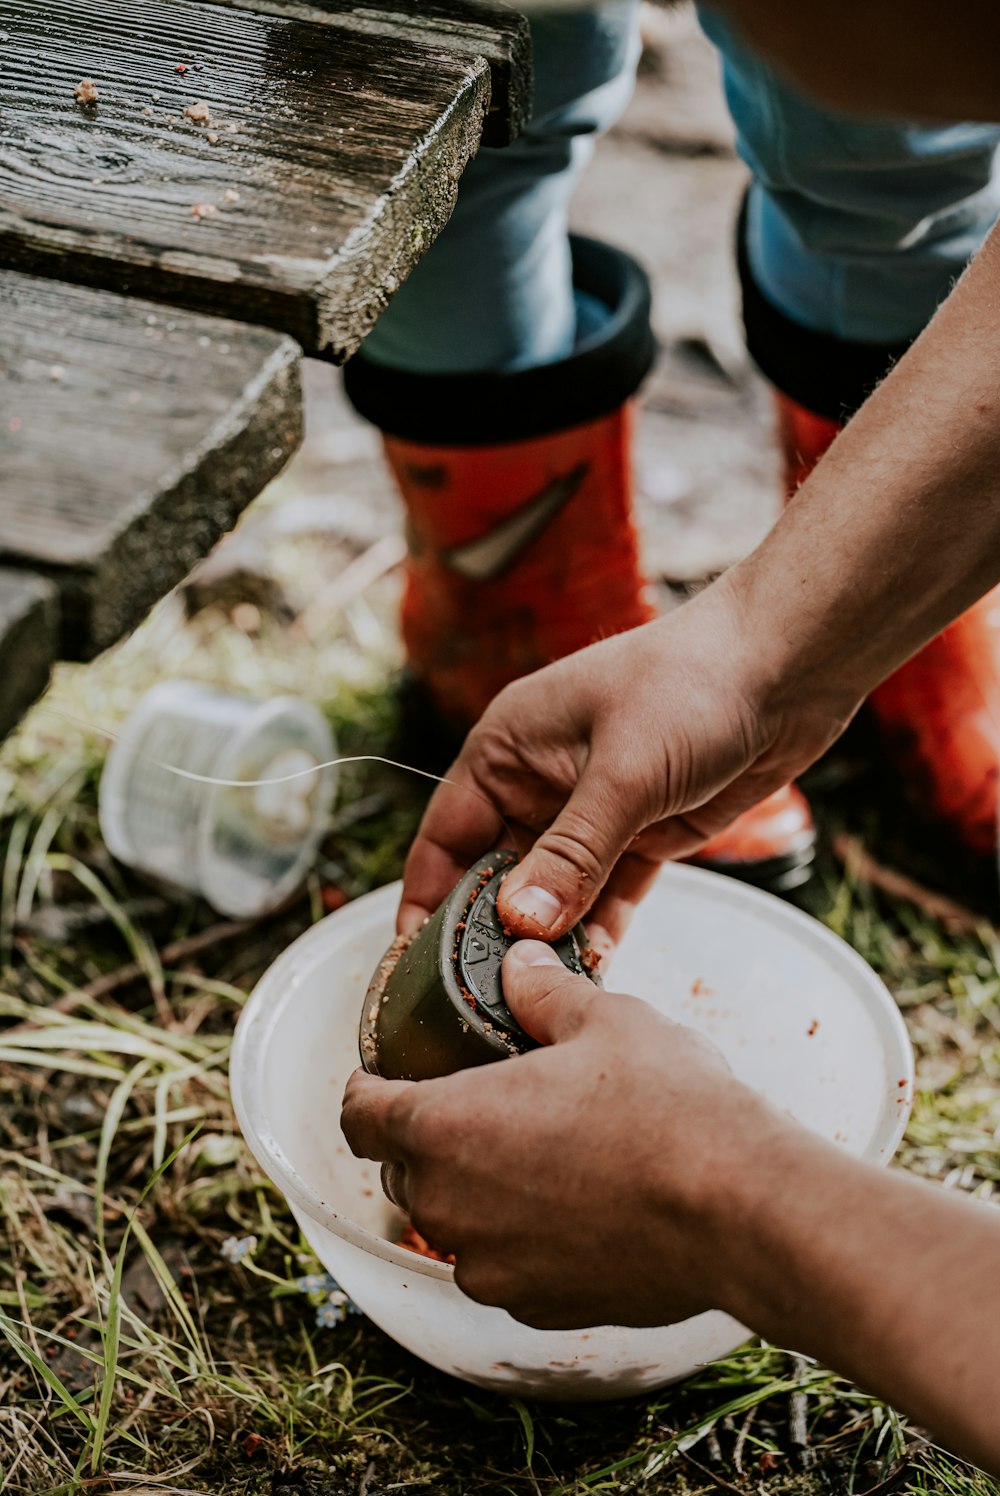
{"points": [[826, 374], [471, 410]]}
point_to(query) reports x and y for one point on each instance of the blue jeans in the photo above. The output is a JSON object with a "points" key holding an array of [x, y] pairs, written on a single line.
{"points": [[855, 229]]}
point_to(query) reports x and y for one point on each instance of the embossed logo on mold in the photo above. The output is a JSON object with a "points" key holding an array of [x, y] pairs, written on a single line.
{"points": [[487, 558]]}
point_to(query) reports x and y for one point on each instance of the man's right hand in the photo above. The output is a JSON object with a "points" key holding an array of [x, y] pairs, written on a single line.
{"points": [[605, 764]]}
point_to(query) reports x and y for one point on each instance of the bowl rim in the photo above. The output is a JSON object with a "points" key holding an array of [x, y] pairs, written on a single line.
{"points": [[268, 999]]}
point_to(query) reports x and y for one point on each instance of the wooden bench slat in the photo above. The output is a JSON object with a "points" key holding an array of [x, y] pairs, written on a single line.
{"points": [[330, 164], [29, 637], [477, 28], [131, 437]]}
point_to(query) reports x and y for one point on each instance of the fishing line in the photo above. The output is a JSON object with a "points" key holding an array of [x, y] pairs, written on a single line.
{"points": [[250, 784]]}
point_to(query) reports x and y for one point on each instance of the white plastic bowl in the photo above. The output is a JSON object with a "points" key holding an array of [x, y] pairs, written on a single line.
{"points": [[797, 1013]]}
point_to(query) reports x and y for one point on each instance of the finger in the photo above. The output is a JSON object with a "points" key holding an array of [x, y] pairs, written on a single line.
{"points": [[569, 864], [393, 1178], [548, 1001], [372, 1118], [459, 825], [630, 880]]}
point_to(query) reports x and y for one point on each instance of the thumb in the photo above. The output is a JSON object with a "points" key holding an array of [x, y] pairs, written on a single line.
{"points": [[556, 883], [548, 1001]]}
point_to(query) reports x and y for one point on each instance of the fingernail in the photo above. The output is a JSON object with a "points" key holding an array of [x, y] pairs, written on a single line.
{"points": [[536, 904], [534, 953]]}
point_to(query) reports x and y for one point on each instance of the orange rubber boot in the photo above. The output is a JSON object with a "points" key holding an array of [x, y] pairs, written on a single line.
{"points": [[772, 845], [518, 492], [517, 487], [520, 553], [939, 714]]}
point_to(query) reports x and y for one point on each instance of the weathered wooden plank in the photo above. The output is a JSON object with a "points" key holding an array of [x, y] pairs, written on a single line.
{"points": [[130, 439], [328, 163], [29, 633], [476, 28]]}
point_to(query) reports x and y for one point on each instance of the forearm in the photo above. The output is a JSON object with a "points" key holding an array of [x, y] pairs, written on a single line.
{"points": [[898, 528], [901, 58], [891, 1281]]}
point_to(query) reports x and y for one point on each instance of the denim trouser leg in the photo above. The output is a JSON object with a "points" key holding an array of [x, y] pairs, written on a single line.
{"points": [[495, 290], [855, 228]]}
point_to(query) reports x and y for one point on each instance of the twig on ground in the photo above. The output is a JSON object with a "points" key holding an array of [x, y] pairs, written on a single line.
{"points": [[798, 1428], [379, 559], [101, 988], [895, 1478], [742, 1439], [58, 924], [867, 869], [716, 1479]]}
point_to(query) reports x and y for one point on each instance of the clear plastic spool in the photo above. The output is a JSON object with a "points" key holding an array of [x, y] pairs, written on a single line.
{"points": [[244, 849]]}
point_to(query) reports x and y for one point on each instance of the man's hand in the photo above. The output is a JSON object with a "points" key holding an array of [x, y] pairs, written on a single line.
{"points": [[620, 1175], [640, 748], [599, 767], [579, 1184]]}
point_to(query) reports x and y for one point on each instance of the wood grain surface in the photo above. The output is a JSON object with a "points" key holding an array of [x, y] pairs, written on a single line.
{"points": [[28, 641], [477, 28], [131, 437], [326, 163]]}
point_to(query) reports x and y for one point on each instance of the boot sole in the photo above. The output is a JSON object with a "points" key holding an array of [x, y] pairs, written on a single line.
{"points": [[779, 875]]}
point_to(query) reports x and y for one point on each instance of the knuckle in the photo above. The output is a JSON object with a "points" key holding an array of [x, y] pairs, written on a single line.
{"points": [[423, 1131], [573, 842], [490, 744], [402, 1118]]}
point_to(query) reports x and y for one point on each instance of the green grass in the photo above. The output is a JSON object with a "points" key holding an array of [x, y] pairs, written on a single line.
{"points": [[141, 1351]]}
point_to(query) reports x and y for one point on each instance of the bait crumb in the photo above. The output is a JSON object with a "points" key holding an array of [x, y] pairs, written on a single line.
{"points": [[231, 195], [411, 1240], [700, 989], [86, 91], [204, 210], [590, 959], [376, 998], [387, 966], [212, 138], [181, 67], [57, 372], [198, 114]]}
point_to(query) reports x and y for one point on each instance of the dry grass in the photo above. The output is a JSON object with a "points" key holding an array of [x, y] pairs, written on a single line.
{"points": [[148, 1346]]}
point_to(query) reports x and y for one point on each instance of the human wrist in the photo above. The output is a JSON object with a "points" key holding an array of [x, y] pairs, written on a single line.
{"points": [[752, 1229], [790, 644]]}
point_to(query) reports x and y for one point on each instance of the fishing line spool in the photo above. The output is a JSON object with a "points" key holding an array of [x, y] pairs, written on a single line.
{"points": [[435, 1004]]}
